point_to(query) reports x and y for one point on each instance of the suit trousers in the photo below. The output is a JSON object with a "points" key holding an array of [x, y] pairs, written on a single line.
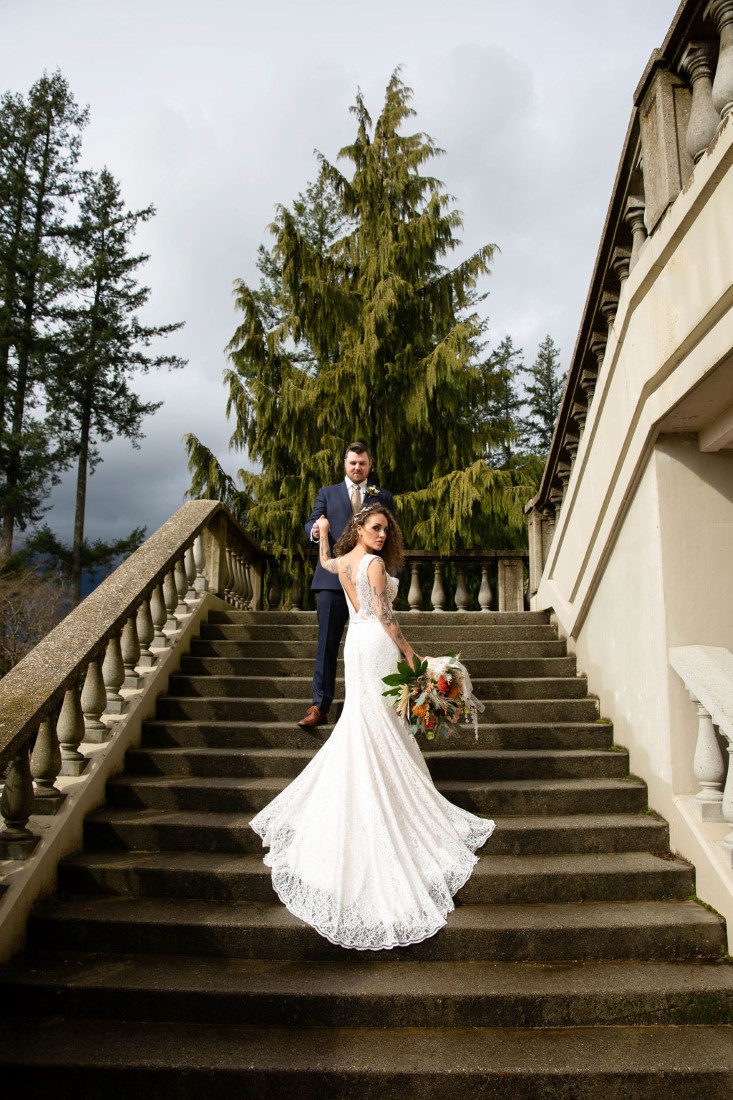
{"points": [[333, 614]]}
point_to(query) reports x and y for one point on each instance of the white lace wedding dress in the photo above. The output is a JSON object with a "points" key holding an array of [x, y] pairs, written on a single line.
{"points": [[362, 845]]}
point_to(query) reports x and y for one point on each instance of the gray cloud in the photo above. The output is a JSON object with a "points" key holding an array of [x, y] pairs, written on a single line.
{"points": [[212, 112]]}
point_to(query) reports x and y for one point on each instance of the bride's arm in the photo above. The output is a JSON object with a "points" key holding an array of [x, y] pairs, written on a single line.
{"points": [[324, 550], [378, 580]]}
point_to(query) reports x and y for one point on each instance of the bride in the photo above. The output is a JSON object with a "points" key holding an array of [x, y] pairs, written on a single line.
{"points": [[362, 845]]}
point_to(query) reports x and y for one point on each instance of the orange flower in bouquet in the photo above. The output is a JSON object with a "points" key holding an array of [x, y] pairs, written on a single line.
{"points": [[433, 695]]}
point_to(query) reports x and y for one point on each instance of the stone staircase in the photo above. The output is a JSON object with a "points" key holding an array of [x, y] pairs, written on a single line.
{"points": [[576, 964]]}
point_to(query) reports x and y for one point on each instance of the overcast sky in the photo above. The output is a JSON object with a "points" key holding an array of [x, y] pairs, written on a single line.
{"points": [[212, 111]]}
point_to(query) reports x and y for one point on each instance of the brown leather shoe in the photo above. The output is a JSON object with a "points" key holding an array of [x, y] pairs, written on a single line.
{"points": [[313, 718]]}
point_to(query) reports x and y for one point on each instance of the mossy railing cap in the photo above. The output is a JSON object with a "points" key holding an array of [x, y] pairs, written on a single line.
{"points": [[36, 684]]}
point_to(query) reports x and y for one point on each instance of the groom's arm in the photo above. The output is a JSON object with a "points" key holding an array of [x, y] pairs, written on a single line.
{"points": [[319, 509]]}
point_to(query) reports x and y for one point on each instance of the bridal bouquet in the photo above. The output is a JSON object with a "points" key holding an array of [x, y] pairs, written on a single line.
{"points": [[433, 695]]}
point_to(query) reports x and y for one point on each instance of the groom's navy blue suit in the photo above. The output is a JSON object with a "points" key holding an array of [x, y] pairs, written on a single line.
{"points": [[333, 502]]}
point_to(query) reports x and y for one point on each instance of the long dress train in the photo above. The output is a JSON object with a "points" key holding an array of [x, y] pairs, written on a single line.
{"points": [[362, 845]]}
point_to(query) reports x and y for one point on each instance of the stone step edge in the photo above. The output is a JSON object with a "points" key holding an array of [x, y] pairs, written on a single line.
{"points": [[337, 1060]]}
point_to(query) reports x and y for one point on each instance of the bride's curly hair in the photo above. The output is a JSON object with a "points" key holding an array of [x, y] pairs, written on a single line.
{"points": [[393, 551]]}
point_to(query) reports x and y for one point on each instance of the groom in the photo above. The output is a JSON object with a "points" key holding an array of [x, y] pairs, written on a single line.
{"points": [[339, 503]]}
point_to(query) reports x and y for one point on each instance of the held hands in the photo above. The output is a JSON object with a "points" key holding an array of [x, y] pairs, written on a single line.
{"points": [[321, 525]]}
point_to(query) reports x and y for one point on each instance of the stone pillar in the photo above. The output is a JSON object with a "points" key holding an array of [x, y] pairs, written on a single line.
{"points": [[130, 649], [414, 596], [634, 218], [664, 115], [94, 703], [274, 594], [709, 766], [535, 524], [462, 597], [145, 634], [609, 307], [199, 556], [697, 62], [70, 732], [721, 11], [16, 806], [45, 768], [620, 263], [511, 584], [113, 672], [437, 596], [159, 613], [485, 599], [215, 541]]}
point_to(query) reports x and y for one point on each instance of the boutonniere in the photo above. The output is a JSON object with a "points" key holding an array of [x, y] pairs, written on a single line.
{"points": [[371, 491]]}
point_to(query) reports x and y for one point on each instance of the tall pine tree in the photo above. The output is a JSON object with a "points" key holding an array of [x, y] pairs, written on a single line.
{"points": [[543, 395], [39, 148], [104, 342], [395, 342]]}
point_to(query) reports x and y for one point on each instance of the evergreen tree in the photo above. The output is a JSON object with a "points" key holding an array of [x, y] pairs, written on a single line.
{"points": [[502, 411], [544, 395], [39, 148], [52, 559], [395, 343], [104, 342]]}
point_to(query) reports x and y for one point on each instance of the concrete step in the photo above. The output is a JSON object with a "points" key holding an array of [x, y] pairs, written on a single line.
{"points": [[419, 634], [499, 880], [180, 1061], [234, 734], [665, 930], [538, 667], [299, 687], [161, 830], [399, 994], [212, 647], [233, 794], [469, 764], [280, 710], [427, 618]]}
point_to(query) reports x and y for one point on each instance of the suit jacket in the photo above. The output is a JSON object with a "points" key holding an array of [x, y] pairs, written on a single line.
{"points": [[333, 502]]}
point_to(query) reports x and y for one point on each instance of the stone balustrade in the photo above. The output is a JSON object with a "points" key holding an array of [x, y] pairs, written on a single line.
{"points": [[71, 689], [480, 580], [684, 97], [707, 673]]}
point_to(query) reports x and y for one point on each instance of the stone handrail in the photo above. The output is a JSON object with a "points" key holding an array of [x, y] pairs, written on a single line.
{"points": [[682, 100], [707, 673], [56, 696]]}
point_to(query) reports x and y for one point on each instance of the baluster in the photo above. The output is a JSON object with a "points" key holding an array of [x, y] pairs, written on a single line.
{"points": [[727, 808], [634, 218], [160, 615], [145, 634], [437, 596], [190, 567], [70, 732], [237, 579], [721, 11], [45, 768], [484, 593], [620, 264], [248, 589], [609, 307], [709, 766], [462, 597], [170, 595], [296, 593], [130, 650], [94, 703], [113, 673], [697, 63], [229, 586], [16, 806], [181, 582], [414, 596], [199, 556], [274, 595]]}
